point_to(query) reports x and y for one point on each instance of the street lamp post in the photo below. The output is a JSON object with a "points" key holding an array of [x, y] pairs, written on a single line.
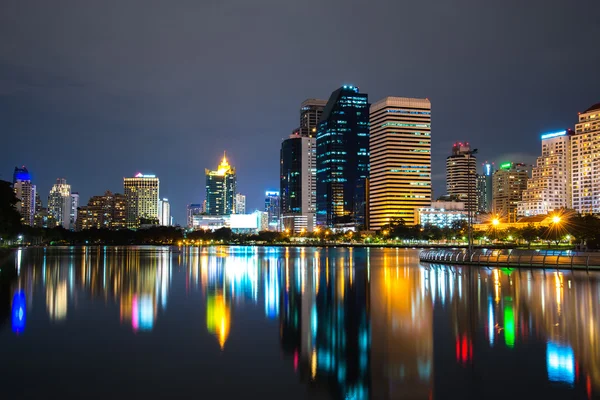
{"points": [[470, 210]]}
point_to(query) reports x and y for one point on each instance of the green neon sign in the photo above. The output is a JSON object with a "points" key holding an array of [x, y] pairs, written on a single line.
{"points": [[506, 165]]}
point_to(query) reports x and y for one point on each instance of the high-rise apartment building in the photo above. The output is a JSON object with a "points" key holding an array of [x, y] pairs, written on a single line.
{"points": [[400, 148], [142, 194], [272, 209], [508, 185], [240, 204], [298, 183], [164, 212], [59, 203], [221, 189], [343, 160], [25, 192], [461, 175], [549, 188], [106, 211], [73, 213], [585, 162], [310, 115]]}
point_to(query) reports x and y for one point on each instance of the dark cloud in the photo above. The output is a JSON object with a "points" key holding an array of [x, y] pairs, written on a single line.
{"points": [[94, 91]]}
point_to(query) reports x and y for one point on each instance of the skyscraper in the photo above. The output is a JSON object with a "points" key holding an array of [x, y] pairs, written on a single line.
{"points": [[298, 184], [74, 206], [25, 192], [59, 203], [240, 204], [142, 194], [484, 189], [508, 185], [461, 175], [221, 189], [164, 212], [400, 148], [585, 162], [549, 188], [343, 159], [310, 114], [272, 209]]}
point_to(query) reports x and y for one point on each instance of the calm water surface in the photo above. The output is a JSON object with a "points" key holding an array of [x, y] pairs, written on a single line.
{"points": [[277, 323]]}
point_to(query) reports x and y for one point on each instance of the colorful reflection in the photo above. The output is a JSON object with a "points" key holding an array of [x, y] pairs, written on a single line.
{"points": [[354, 323], [560, 362], [19, 309]]}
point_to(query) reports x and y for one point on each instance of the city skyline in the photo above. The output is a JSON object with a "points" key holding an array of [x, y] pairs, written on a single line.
{"points": [[168, 92]]}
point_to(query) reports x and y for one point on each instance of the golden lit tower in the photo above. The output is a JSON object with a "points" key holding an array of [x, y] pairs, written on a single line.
{"points": [[400, 151], [141, 193], [221, 189]]}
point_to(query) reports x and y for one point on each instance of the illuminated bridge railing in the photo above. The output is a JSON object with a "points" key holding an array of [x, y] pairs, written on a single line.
{"points": [[516, 258]]}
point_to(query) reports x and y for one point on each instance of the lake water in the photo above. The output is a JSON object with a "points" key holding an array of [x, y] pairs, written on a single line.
{"points": [[291, 323]]}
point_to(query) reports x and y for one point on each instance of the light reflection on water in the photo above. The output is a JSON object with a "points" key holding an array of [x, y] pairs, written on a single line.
{"points": [[350, 323]]}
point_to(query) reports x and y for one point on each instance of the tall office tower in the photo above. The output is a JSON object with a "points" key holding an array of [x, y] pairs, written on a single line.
{"points": [[164, 212], [461, 175], [298, 183], [220, 189], [272, 209], [73, 214], [549, 188], [142, 194], [25, 192], [343, 160], [488, 172], [585, 162], [40, 214], [508, 185], [193, 209], [240, 204], [400, 177], [310, 114], [481, 192], [59, 203]]}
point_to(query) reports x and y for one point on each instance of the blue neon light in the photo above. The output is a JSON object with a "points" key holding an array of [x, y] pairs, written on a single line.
{"points": [[553, 135]]}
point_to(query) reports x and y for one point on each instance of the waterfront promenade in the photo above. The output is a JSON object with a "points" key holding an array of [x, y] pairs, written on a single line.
{"points": [[562, 259]]}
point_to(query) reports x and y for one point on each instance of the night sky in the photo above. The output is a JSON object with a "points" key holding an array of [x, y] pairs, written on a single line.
{"points": [[97, 90]]}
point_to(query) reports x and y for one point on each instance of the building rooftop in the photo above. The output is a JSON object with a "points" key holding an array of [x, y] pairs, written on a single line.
{"points": [[592, 108]]}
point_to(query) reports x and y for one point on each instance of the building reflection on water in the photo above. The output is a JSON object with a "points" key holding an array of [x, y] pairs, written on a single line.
{"points": [[354, 323]]}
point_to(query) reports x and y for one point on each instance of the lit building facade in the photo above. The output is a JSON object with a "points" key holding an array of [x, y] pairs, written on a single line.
{"points": [[73, 212], [25, 192], [585, 162], [164, 212], [549, 188], [443, 214], [310, 115], [142, 194], [510, 181], [59, 203], [400, 166], [484, 189], [461, 175], [107, 211], [240, 204], [343, 160], [298, 183], [272, 203], [221, 189]]}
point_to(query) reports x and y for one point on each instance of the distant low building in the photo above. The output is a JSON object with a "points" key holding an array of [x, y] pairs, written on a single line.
{"points": [[535, 220], [443, 213]]}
